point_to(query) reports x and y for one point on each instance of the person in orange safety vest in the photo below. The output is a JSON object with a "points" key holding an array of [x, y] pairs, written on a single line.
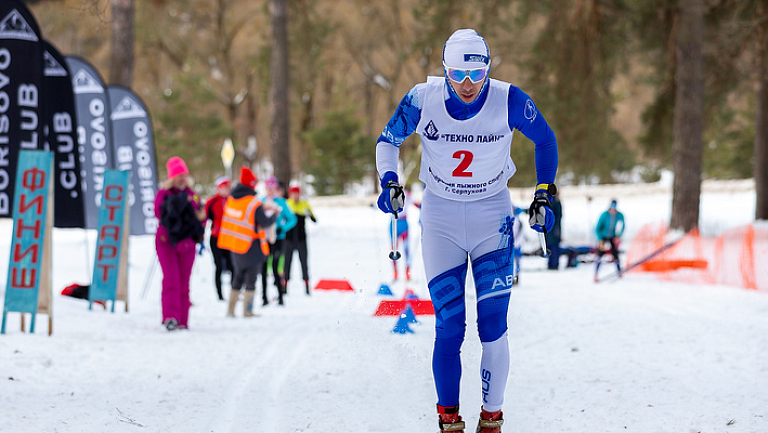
{"points": [[243, 232]]}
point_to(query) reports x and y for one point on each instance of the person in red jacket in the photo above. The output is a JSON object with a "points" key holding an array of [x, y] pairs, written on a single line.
{"points": [[214, 209]]}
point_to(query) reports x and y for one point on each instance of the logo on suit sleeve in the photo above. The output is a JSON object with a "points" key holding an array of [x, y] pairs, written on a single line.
{"points": [[530, 111], [430, 131]]}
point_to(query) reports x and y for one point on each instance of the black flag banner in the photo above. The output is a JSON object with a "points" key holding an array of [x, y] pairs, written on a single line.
{"points": [[94, 136], [135, 152], [60, 136], [21, 74]]}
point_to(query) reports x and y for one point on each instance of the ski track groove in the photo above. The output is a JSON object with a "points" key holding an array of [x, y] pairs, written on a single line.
{"points": [[286, 346], [234, 402], [297, 348]]}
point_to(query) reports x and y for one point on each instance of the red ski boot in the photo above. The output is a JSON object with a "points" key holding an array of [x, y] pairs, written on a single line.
{"points": [[490, 422], [449, 419]]}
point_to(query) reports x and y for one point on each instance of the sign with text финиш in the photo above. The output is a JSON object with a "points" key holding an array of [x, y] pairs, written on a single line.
{"points": [[28, 285]]}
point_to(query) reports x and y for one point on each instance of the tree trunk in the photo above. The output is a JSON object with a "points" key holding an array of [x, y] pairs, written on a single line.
{"points": [[761, 121], [252, 114], [370, 107], [121, 68], [689, 116], [281, 151]]}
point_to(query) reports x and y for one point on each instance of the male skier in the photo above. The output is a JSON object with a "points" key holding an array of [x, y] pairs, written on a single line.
{"points": [[466, 121]]}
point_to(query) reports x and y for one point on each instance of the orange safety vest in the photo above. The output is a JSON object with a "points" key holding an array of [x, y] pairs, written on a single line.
{"points": [[237, 231]]}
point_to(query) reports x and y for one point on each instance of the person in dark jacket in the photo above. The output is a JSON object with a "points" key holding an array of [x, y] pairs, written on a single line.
{"points": [[296, 238], [553, 236], [243, 233], [180, 213], [214, 209]]}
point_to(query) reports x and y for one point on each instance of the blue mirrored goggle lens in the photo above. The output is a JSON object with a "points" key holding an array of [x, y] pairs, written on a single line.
{"points": [[459, 75]]}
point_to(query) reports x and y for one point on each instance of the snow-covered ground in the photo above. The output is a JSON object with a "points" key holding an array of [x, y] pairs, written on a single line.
{"points": [[634, 355]]}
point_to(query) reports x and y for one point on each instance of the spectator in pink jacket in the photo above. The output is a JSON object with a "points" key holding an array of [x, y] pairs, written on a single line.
{"points": [[180, 213]]}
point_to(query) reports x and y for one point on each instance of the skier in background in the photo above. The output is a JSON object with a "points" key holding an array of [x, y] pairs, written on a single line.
{"points": [[554, 236], [285, 221], [466, 122], [401, 231], [609, 229], [214, 209], [296, 238], [518, 231]]}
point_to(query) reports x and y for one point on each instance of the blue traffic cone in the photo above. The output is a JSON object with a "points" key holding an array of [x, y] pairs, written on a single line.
{"points": [[402, 326], [384, 290], [408, 315]]}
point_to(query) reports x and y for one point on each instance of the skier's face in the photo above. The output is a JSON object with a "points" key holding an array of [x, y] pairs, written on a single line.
{"points": [[467, 90]]}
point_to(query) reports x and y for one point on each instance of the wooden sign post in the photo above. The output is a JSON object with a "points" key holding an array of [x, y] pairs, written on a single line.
{"points": [[110, 269], [28, 287]]}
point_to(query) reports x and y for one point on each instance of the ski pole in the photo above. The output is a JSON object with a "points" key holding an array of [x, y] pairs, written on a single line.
{"points": [[148, 276], [394, 254], [644, 259], [543, 241]]}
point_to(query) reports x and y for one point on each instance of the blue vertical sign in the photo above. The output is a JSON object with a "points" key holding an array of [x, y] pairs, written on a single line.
{"points": [[31, 227], [111, 245]]}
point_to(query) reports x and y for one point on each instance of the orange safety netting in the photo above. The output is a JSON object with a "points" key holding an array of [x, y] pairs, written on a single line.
{"points": [[738, 257]]}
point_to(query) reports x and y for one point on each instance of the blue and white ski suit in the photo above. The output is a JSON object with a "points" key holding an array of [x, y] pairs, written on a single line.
{"points": [[467, 214]]}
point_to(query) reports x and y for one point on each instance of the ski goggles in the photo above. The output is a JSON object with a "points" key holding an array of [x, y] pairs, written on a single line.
{"points": [[459, 75]]}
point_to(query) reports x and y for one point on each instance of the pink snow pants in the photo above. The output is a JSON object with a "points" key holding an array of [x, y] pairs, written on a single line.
{"points": [[176, 263]]}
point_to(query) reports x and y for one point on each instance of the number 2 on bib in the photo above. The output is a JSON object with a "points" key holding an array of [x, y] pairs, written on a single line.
{"points": [[465, 158]]}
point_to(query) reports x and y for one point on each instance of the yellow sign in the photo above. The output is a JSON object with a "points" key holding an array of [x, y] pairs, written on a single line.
{"points": [[227, 153]]}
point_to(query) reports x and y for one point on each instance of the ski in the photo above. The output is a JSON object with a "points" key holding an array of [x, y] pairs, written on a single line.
{"points": [[641, 261]]}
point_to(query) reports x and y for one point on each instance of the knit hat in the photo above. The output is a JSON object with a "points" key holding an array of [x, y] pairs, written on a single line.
{"points": [[466, 49], [294, 188], [221, 181], [247, 177], [613, 204], [176, 166], [272, 182]]}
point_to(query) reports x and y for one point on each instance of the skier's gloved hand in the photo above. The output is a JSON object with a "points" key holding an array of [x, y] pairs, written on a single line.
{"points": [[540, 215], [392, 197]]}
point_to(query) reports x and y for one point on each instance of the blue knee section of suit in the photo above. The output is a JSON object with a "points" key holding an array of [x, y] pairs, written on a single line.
{"points": [[493, 274], [447, 293]]}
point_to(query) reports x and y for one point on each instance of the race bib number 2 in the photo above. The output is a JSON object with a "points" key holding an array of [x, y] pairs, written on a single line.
{"points": [[465, 159]]}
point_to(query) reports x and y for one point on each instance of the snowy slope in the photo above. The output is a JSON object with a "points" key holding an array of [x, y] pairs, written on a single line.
{"points": [[635, 354]]}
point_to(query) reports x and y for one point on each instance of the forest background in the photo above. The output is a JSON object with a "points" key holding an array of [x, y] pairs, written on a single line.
{"points": [[601, 72]]}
